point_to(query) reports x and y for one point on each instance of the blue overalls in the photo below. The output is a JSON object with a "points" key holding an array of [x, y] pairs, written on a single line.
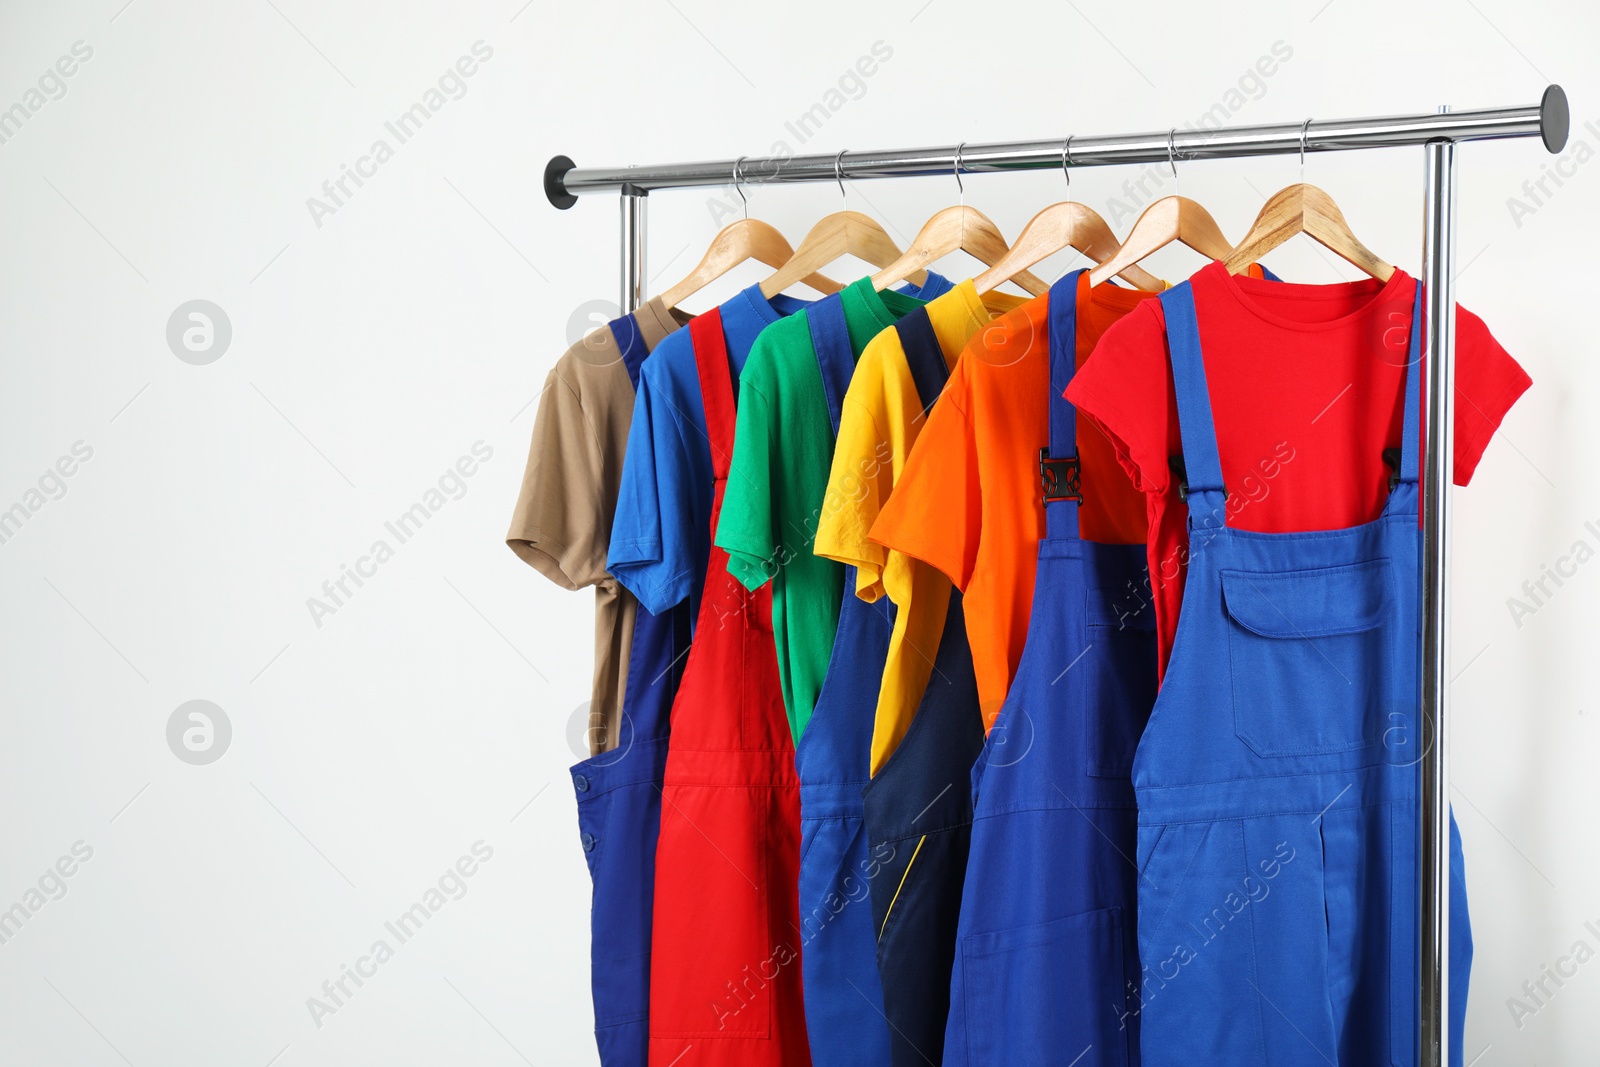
{"points": [[919, 805], [843, 998], [619, 814], [1046, 948], [1277, 780]]}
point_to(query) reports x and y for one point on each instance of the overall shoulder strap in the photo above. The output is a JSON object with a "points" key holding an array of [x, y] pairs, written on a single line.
{"points": [[1410, 466], [924, 356], [830, 339], [1060, 481], [630, 339], [1202, 465], [1411, 432], [716, 387]]}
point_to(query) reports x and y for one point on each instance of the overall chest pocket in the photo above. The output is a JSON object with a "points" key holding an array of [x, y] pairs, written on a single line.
{"points": [[1121, 679], [1310, 653]]}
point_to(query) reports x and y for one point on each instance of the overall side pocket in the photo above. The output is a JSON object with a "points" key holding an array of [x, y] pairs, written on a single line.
{"points": [[713, 966], [1048, 993]]}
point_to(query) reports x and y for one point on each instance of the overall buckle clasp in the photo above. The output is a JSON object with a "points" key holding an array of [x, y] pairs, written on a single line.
{"points": [[1061, 478]]}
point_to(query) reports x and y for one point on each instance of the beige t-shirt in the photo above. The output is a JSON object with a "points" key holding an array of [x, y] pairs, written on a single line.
{"points": [[562, 522]]}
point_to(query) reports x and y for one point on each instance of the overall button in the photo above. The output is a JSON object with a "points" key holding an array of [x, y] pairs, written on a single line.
{"points": [[581, 783], [588, 842]]}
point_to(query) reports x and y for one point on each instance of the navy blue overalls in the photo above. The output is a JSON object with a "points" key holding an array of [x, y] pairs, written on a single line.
{"points": [[1277, 780], [1046, 947], [619, 814], [919, 805], [844, 1001]]}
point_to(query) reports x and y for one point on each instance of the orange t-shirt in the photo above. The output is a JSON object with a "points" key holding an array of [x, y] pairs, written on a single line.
{"points": [[969, 501]]}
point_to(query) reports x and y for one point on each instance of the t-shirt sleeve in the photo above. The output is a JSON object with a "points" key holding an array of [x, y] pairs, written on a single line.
{"points": [[935, 513], [1125, 389], [558, 526], [858, 484], [650, 535], [1488, 382], [747, 528]]}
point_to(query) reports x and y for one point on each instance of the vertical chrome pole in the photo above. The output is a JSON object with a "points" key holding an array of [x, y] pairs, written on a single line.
{"points": [[633, 247], [1439, 322]]}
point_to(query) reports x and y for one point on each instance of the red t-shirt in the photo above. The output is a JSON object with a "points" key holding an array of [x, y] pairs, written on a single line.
{"points": [[1307, 386]]}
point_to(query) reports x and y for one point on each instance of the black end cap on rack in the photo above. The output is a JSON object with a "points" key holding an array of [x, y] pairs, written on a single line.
{"points": [[1555, 119], [555, 182]]}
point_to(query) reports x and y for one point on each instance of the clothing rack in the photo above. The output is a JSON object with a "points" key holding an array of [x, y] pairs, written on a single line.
{"points": [[1438, 135]]}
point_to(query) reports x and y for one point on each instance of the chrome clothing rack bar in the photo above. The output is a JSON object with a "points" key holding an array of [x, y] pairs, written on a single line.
{"points": [[1439, 132], [1549, 119], [1439, 358]]}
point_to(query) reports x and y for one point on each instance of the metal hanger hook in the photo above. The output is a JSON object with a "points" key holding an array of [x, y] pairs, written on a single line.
{"points": [[1304, 128], [1066, 157], [738, 183], [838, 174], [959, 186], [1172, 160]]}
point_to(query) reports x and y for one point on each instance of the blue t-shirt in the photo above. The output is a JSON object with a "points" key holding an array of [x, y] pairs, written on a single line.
{"points": [[661, 533]]}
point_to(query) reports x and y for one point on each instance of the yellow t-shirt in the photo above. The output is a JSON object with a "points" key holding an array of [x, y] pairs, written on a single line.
{"points": [[882, 416]]}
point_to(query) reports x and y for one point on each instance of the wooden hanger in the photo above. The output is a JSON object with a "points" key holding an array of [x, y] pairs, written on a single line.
{"points": [[741, 242], [1303, 208], [842, 233], [955, 229], [1172, 218], [1065, 225]]}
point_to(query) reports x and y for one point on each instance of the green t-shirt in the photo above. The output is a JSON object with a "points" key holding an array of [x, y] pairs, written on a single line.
{"points": [[782, 454]]}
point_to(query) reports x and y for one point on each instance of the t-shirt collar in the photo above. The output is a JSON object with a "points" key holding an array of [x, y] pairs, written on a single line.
{"points": [[1112, 297], [863, 302], [971, 302], [972, 317], [769, 310], [655, 320], [1216, 276], [861, 295]]}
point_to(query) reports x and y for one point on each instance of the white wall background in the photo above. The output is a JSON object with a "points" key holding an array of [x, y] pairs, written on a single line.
{"points": [[432, 709]]}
